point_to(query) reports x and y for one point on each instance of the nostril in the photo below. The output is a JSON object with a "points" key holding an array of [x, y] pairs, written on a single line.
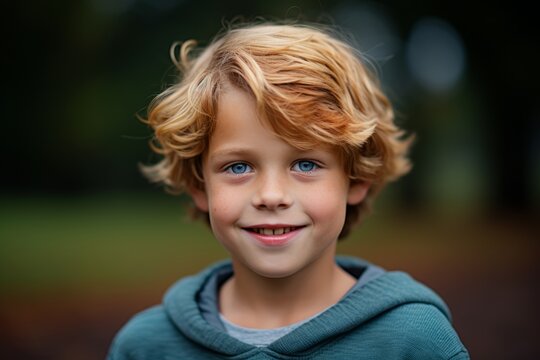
{"points": [[272, 201], [272, 192]]}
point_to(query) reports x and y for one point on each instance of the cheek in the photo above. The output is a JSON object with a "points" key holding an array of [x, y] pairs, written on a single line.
{"points": [[224, 206], [327, 207]]}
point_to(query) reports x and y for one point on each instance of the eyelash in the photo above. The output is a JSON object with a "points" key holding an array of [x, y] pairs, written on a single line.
{"points": [[230, 168], [314, 166], [247, 168]]}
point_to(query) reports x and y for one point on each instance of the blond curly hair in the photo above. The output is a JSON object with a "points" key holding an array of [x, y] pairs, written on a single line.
{"points": [[309, 86]]}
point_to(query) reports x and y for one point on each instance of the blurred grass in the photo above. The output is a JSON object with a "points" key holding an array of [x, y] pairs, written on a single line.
{"points": [[136, 240], [104, 240]]}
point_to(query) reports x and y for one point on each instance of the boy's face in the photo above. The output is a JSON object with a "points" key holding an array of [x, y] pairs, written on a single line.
{"points": [[275, 208]]}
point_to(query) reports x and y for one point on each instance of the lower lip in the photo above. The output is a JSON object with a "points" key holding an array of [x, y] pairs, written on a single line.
{"points": [[275, 240]]}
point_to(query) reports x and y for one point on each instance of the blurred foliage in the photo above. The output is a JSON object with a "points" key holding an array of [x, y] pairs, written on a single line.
{"points": [[79, 71]]}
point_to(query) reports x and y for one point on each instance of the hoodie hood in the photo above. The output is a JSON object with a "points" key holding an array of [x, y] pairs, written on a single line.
{"points": [[380, 294]]}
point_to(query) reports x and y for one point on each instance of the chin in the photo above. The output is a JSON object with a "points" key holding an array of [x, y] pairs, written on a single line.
{"points": [[274, 271], [275, 274], [265, 266]]}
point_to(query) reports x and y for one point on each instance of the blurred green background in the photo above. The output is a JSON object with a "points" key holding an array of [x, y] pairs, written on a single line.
{"points": [[85, 241]]}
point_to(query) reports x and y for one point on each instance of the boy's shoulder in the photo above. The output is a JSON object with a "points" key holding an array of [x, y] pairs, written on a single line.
{"points": [[151, 334], [159, 332], [144, 332], [394, 316], [415, 330]]}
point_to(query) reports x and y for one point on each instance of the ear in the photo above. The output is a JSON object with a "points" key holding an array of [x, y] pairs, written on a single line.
{"points": [[199, 198], [357, 192]]}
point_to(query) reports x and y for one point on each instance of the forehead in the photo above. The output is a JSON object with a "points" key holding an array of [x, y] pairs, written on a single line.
{"points": [[235, 105], [237, 121], [239, 129]]}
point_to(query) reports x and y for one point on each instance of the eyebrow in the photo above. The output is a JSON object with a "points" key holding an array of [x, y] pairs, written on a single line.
{"points": [[231, 152], [239, 151]]}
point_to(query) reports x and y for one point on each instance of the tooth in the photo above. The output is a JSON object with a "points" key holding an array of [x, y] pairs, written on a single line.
{"points": [[286, 230], [278, 231], [267, 231]]}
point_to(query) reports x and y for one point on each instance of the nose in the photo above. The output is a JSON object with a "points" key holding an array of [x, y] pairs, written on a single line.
{"points": [[272, 193]]}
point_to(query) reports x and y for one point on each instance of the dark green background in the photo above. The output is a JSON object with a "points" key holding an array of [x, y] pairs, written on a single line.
{"points": [[85, 241]]}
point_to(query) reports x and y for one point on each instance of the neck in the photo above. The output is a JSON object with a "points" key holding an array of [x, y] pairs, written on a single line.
{"points": [[251, 300]]}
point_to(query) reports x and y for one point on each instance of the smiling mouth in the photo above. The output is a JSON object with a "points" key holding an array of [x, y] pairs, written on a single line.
{"points": [[273, 231]]}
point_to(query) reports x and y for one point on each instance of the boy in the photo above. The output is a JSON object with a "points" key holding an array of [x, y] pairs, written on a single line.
{"points": [[282, 139]]}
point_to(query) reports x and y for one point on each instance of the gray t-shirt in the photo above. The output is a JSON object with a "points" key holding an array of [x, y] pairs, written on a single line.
{"points": [[208, 304], [259, 337]]}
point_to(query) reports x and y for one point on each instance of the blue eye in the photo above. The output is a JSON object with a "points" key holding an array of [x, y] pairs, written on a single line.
{"points": [[305, 166], [238, 168]]}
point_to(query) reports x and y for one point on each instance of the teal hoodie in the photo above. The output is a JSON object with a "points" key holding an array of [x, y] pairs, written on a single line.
{"points": [[390, 317]]}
